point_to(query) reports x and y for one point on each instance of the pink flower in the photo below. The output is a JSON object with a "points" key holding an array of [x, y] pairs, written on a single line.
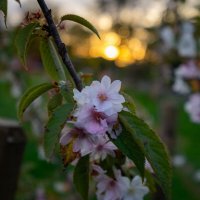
{"points": [[103, 95], [188, 70], [93, 121], [102, 148], [109, 188], [82, 142]]}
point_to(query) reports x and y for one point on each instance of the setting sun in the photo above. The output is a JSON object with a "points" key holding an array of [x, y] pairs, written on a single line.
{"points": [[111, 52]]}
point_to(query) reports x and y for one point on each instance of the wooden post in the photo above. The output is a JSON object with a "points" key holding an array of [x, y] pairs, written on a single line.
{"points": [[168, 124], [12, 143]]}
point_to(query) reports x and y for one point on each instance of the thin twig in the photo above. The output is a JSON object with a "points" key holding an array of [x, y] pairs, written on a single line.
{"points": [[60, 45]]}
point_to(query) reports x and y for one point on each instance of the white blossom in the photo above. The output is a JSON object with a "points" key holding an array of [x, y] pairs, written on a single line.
{"points": [[82, 142], [193, 107], [180, 86], [136, 190], [179, 160], [102, 148], [187, 44], [109, 188], [167, 35], [103, 95]]}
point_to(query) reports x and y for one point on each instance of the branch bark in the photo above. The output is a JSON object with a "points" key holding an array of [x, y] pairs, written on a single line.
{"points": [[60, 45]]}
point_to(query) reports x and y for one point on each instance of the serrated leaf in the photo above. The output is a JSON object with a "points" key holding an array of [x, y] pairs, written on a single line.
{"points": [[130, 148], [4, 7], [54, 126], [54, 102], [129, 103], [154, 149], [51, 59], [81, 177], [22, 41], [82, 21], [30, 95]]}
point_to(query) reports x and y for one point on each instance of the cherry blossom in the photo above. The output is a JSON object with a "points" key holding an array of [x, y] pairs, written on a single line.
{"points": [[168, 37], [193, 107], [187, 44], [136, 190], [102, 148], [180, 86], [83, 142], [93, 121], [86, 143], [188, 70], [103, 95], [109, 188], [119, 187]]}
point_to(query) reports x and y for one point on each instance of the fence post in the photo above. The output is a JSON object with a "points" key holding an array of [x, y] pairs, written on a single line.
{"points": [[12, 143], [168, 124], [168, 115]]}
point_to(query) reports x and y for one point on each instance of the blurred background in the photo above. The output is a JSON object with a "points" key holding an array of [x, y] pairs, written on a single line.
{"points": [[143, 43]]}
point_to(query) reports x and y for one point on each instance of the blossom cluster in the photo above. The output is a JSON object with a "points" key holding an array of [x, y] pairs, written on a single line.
{"points": [[97, 111], [94, 123], [184, 74], [184, 42], [119, 187], [187, 75], [187, 78]]}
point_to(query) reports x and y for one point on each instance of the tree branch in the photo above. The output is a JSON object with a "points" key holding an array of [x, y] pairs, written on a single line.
{"points": [[60, 45]]}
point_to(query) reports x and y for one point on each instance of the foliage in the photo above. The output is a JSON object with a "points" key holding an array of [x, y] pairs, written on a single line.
{"points": [[136, 140], [82, 21]]}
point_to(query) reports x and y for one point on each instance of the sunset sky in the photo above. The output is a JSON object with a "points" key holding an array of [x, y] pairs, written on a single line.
{"points": [[139, 12]]}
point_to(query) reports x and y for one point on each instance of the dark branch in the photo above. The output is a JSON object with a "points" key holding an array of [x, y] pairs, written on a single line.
{"points": [[60, 45]]}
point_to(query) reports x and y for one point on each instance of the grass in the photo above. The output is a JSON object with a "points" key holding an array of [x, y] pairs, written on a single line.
{"points": [[188, 135]]}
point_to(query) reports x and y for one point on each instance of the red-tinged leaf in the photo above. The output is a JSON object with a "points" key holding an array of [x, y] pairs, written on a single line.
{"points": [[67, 153]]}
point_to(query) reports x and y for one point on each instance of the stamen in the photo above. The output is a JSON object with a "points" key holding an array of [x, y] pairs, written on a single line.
{"points": [[102, 97]]}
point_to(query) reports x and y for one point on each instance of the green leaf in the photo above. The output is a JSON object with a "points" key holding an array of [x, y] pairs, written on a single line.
{"points": [[81, 176], [82, 21], [154, 149], [22, 40], [4, 7], [129, 103], [129, 147], [30, 95], [51, 59], [54, 126], [54, 102], [66, 93]]}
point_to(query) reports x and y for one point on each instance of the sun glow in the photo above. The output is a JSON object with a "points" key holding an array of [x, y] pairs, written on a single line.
{"points": [[111, 52]]}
